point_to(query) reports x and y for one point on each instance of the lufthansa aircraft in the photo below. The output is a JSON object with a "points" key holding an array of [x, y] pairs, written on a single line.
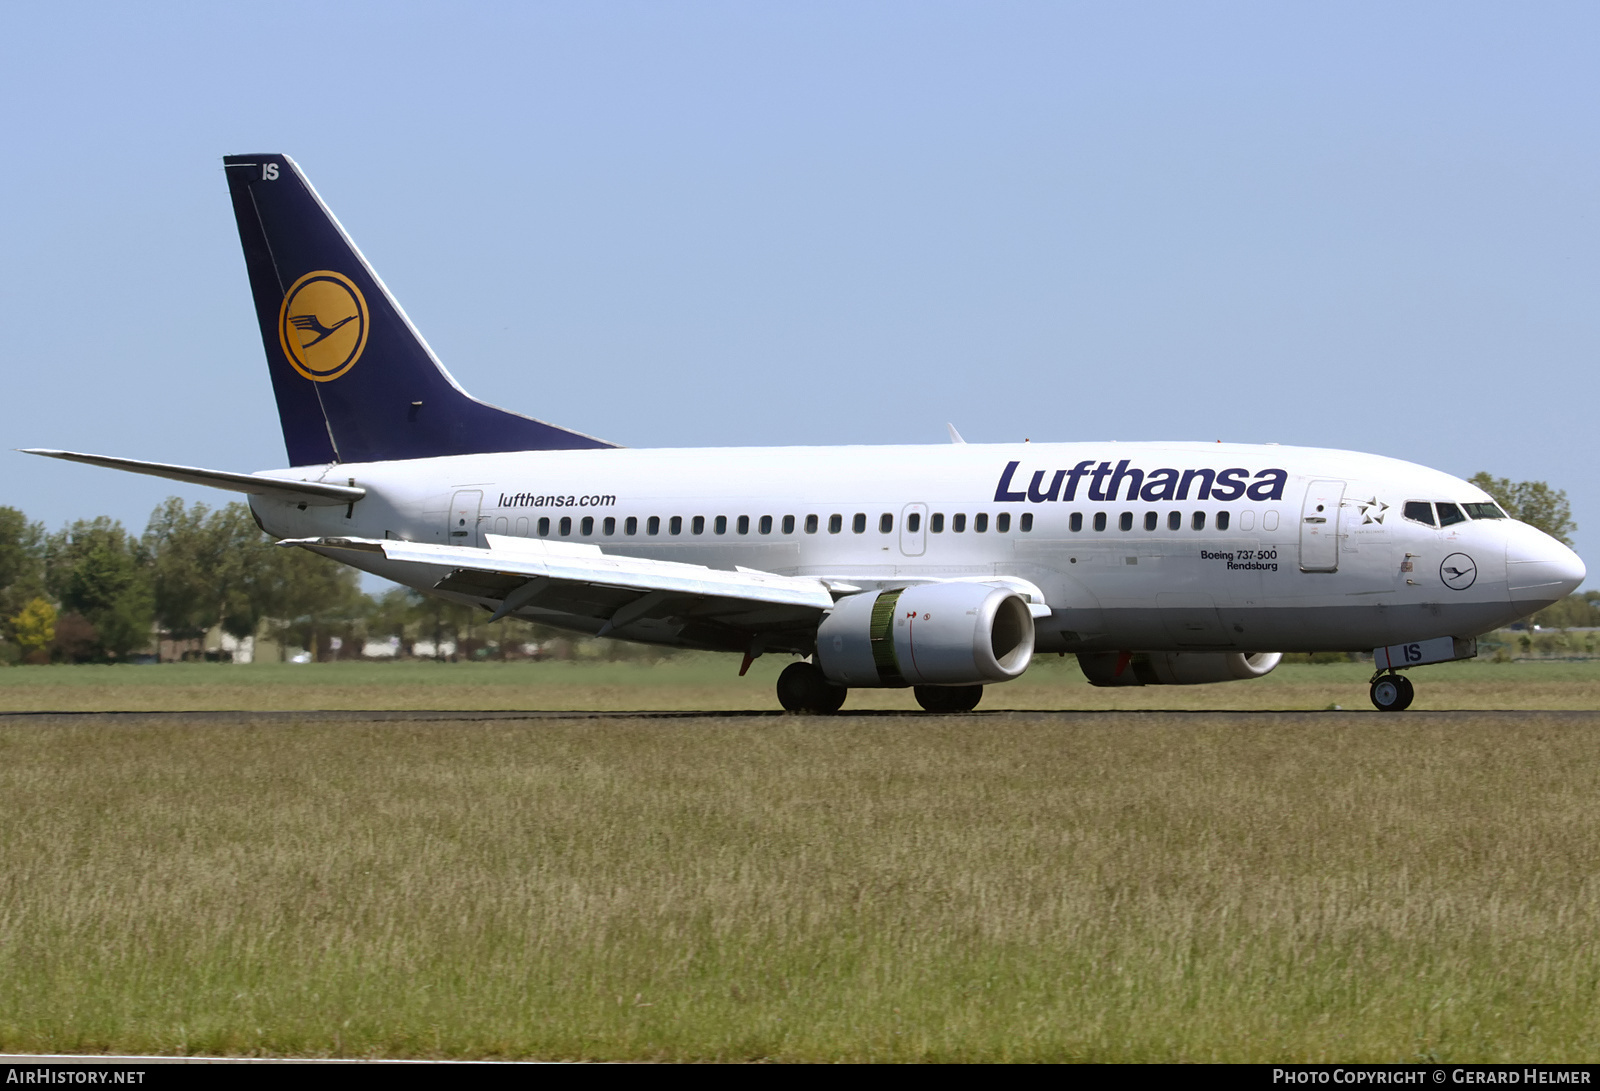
{"points": [[943, 568]]}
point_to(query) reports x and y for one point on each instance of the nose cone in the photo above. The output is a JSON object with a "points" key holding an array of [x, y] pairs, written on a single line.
{"points": [[1539, 569]]}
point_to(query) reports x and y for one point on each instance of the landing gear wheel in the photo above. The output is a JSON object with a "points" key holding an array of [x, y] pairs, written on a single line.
{"points": [[802, 687], [1393, 693], [948, 698]]}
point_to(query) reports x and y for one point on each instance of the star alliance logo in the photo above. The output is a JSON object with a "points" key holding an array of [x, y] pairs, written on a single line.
{"points": [[1372, 510]]}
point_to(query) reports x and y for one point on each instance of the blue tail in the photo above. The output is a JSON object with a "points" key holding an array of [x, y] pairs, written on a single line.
{"points": [[354, 381]]}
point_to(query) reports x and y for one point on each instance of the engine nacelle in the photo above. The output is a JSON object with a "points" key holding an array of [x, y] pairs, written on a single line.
{"points": [[933, 634], [1174, 668]]}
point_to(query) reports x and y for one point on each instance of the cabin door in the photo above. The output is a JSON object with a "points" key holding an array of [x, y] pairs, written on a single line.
{"points": [[1319, 527], [914, 530], [465, 516]]}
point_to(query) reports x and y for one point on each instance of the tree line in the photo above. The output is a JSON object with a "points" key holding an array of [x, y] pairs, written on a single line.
{"points": [[93, 592]]}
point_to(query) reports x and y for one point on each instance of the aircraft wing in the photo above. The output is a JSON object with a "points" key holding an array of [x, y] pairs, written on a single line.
{"points": [[628, 596], [305, 492]]}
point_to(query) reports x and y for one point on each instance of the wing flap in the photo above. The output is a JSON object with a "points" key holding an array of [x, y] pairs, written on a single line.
{"points": [[587, 582]]}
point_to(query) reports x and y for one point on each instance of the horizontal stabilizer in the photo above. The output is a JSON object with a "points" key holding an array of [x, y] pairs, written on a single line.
{"points": [[306, 492]]}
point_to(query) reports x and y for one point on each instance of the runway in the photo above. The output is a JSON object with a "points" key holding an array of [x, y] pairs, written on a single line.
{"points": [[996, 717]]}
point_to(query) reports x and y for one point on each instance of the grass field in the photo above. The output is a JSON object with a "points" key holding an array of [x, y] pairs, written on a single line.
{"points": [[711, 683], [1023, 886]]}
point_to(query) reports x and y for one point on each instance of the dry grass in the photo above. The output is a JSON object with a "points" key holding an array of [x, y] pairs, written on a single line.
{"points": [[1019, 887], [710, 683]]}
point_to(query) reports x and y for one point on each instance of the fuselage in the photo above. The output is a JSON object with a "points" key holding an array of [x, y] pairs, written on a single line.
{"points": [[1134, 545]]}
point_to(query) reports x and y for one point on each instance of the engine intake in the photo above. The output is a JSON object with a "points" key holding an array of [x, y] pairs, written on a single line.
{"points": [[1174, 668], [933, 634]]}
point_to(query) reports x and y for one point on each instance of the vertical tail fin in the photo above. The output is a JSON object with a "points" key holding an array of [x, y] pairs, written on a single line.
{"points": [[354, 380]]}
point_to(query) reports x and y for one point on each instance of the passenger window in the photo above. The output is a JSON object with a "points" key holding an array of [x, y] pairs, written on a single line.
{"points": [[586, 528], [1449, 515], [1126, 521], [1420, 511], [698, 525], [609, 526], [1222, 519], [1175, 520], [652, 526], [1150, 520], [544, 527], [811, 524], [765, 526], [1484, 511], [1099, 520], [566, 526], [958, 523], [788, 524], [1002, 522], [1269, 521], [1199, 521], [980, 523], [859, 523], [1247, 521], [914, 522], [1076, 522], [675, 525], [744, 524], [631, 525], [885, 523], [835, 524], [936, 522], [1025, 524], [721, 525]]}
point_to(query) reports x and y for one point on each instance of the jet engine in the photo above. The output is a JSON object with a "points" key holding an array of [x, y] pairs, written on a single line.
{"points": [[934, 634], [1174, 668]]}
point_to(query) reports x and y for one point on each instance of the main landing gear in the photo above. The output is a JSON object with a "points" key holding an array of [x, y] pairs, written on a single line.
{"points": [[948, 698], [1392, 692], [802, 687]]}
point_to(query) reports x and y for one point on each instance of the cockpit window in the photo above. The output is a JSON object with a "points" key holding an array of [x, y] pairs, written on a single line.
{"points": [[1420, 510], [1449, 515], [1484, 511]]}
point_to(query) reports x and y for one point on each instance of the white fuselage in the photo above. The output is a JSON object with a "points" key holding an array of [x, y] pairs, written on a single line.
{"points": [[1219, 546]]}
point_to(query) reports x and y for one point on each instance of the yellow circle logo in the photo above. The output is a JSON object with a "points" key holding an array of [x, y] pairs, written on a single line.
{"points": [[322, 325]]}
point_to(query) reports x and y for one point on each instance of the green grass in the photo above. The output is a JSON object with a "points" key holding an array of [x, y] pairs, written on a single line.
{"points": [[1138, 887], [704, 682], [1144, 886]]}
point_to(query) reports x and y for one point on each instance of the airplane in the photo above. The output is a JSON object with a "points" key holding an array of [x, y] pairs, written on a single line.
{"points": [[944, 568]]}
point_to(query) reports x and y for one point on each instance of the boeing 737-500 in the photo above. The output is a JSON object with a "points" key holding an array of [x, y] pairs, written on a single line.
{"points": [[941, 568]]}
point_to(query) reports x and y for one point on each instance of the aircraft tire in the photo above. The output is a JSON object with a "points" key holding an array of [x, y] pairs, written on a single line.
{"points": [[802, 687], [948, 698], [1393, 693]]}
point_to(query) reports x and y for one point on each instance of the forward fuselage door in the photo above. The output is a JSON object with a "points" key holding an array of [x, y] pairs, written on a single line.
{"points": [[465, 510], [1319, 527], [914, 530]]}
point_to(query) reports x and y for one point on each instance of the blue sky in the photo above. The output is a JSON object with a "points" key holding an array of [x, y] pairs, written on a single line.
{"points": [[1372, 226]]}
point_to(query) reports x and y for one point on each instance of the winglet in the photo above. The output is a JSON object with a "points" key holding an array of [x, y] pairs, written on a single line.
{"points": [[955, 437]]}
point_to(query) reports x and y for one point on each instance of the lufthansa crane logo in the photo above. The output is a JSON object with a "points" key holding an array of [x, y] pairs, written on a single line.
{"points": [[322, 325], [1458, 572]]}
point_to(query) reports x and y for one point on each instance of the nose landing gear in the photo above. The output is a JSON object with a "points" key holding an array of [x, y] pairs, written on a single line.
{"points": [[1392, 692]]}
